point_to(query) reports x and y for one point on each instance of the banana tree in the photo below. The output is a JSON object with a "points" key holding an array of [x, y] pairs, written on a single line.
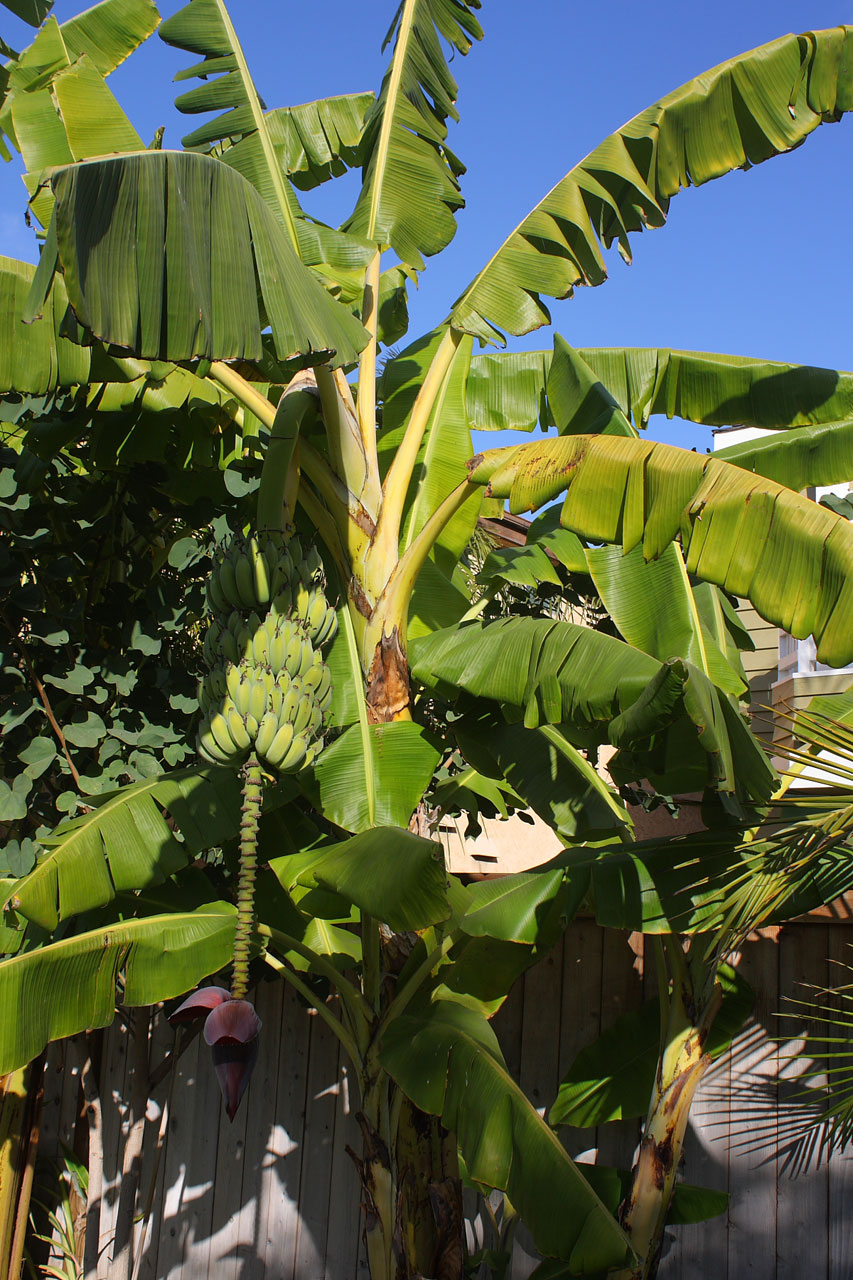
{"points": [[170, 279]]}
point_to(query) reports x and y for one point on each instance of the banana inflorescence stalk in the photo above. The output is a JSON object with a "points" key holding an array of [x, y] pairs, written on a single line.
{"points": [[252, 793], [267, 688]]}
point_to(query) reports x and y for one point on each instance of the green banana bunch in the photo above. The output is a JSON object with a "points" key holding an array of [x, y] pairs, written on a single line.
{"points": [[267, 687], [269, 574]]}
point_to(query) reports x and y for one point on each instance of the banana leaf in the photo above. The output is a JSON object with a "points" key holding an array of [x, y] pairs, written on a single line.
{"points": [[71, 986], [596, 689], [447, 1060], [753, 537], [362, 781], [546, 772], [164, 253], [655, 608], [410, 187], [821, 454], [389, 873], [740, 113], [509, 390], [32, 11], [125, 842]]}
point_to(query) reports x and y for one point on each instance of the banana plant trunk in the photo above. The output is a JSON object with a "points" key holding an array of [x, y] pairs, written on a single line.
{"points": [[412, 1192], [681, 1066], [409, 1169]]}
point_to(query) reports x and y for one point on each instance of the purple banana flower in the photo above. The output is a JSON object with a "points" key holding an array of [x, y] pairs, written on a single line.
{"points": [[231, 1029]]}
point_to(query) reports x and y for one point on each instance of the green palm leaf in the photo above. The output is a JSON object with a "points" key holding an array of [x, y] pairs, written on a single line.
{"points": [[125, 842], [164, 253], [757, 539], [448, 1061], [410, 190], [740, 113], [71, 986]]}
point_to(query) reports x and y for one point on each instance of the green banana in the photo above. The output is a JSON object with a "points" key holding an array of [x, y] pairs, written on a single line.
{"points": [[279, 746], [295, 755], [260, 573], [267, 730], [237, 729], [215, 599], [222, 736], [228, 584], [208, 748], [261, 646], [257, 699], [245, 580]]}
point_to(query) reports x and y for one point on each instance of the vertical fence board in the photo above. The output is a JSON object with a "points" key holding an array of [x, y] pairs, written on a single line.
{"points": [[288, 1144], [345, 1193], [153, 1164], [840, 1228], [752, 1160], [621, 990], [319, 1136], [189, 1137], [803, 1183], [114, 1085]]}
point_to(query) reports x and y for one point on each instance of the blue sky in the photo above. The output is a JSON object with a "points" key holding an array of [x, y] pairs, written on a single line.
{"points": [[757, 263]]}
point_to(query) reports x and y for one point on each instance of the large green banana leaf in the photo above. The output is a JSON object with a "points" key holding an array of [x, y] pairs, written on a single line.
{"points": [[440, 465], [792, 558], [508, 390], [597, 688], [73, 118], [390, 874], [37, 359], [511, 908], [32, 11], [372, 775], [821, 454], [125, 842], [612, 1079], [314, 141], [70, 986], [410, 188], [545, 770], [447, 1059], [203, 27], [107, 33], [655, 608], [164, 253], [47, 361], [740, 113], [716, 390], [312, 137]]}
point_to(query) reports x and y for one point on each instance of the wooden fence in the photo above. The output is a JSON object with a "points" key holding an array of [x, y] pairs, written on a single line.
{"points": [[275, 1195]]}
